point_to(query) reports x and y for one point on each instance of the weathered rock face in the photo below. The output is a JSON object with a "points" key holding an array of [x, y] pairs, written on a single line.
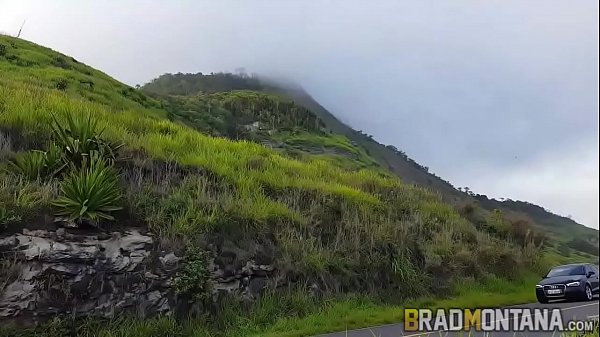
{"points": [[102, 275], [243, 271], [75, 274]]}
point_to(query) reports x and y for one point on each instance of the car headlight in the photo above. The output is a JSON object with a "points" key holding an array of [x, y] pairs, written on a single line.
{"points": [[573, 284], [538, 286]]}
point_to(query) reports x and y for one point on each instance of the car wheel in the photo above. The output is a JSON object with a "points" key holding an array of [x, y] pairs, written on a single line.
{"points": [[542, 299], [588, 294]]}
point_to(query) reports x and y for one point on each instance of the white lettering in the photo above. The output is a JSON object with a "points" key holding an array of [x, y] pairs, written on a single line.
{"points": [[425, 324], [487, 319], [502, 320], [456, 319], [440, 321], [556, 322], [526, 321], [541, 319], [514, 319], [515, 314]]}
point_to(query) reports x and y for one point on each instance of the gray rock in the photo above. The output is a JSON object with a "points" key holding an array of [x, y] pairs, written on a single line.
{"points": [[151, 276], [103, 275], [83, 275], [256, 286], [60, 232], [227, 287], [169, 260], [153, 297]]}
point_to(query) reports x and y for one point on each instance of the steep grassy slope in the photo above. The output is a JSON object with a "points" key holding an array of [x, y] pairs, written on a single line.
{"points": [[270, 120], [389, 157]]}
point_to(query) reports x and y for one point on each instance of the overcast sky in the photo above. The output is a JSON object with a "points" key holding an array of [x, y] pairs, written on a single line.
{"points": [[500, 96]]}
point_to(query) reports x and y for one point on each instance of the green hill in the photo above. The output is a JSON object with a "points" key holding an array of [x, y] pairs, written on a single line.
{"points": [[565, 233], [203, 169]]}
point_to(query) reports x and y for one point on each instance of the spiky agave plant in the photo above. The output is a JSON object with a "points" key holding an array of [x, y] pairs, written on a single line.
{"points": [[30, 165], [79, 138], [90, 193], [53, 158], [35, 164]]}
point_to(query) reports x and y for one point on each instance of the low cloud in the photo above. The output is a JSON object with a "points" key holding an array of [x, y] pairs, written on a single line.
{"points": [[563, 181]]}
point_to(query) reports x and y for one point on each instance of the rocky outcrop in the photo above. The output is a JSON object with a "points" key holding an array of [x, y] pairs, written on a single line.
{"points": [[81, 275], [244, 271], [104, 274]]}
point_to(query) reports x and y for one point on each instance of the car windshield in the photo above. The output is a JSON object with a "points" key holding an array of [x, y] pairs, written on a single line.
{"points": [[566, 271]]}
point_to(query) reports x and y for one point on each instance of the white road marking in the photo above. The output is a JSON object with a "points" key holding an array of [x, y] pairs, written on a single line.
{"points": [[580, 306]]}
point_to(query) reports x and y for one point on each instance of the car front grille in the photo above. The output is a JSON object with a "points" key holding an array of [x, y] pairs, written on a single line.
{"points": [[555, 286]]}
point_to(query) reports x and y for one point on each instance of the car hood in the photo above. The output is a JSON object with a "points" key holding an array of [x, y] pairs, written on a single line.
{"points": [[561, 279]]}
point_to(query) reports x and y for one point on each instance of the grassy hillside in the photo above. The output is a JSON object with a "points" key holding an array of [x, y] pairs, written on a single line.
{"points": [[339, 222], [564, 234], [568, 234], [388, 156]]}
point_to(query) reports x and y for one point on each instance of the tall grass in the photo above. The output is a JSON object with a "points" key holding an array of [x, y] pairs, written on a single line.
{"points": [[22, 200]]}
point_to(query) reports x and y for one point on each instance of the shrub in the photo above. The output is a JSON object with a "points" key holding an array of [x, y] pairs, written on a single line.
{"points": [[62, 84], [90, 193], [89, 84], [30, 165], [564, 249], [7, 216], [407, 274], [497, 224], [193, 280], [467, 209], [54, 161], [80, 139], [584, 246], [61, 62], [34, 165]]}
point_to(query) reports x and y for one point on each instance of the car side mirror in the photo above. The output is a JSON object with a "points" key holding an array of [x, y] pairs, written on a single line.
{"points": [[590, 274]]}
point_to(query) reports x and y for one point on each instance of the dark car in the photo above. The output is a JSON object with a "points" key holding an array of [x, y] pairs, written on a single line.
{"points": [[571, 281]]}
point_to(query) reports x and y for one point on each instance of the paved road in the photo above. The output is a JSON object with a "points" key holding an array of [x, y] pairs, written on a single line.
{"points": [[570, 311]]}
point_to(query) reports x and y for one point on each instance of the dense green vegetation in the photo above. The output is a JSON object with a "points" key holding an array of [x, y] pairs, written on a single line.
{"points": [[192, 167], [231, 114], [190, 84], [567, 234], [270, 120]]}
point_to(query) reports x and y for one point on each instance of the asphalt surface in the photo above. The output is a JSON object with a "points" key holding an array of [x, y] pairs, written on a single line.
{"points": [[570, 311]]}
